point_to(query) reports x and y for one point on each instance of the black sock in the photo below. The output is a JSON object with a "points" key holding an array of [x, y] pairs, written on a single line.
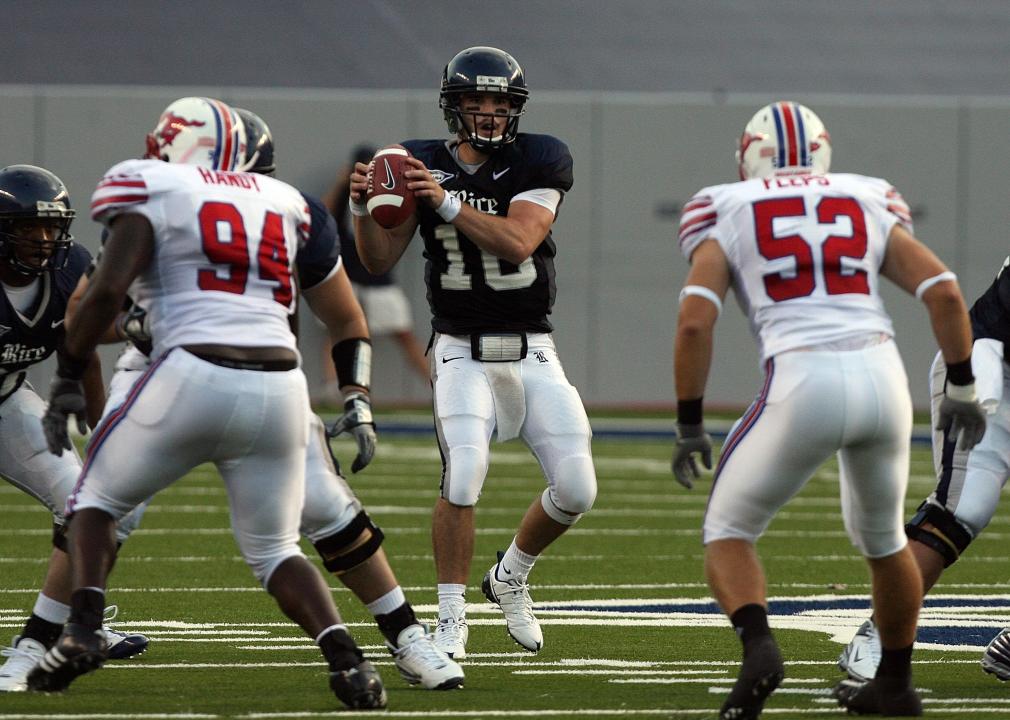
{"points": [[392, 624], [87, 607], [42, 630], [750, 623], [340, 650], [896, 665]]}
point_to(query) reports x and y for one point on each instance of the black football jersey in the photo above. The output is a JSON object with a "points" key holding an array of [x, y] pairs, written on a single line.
{"points": [[25, 342], [321, 253], [990, 315], [473, 291]]}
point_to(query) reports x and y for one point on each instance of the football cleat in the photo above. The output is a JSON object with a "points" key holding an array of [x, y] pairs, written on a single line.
{"points": [[421, 662], [122, 645], [79, 650], [861, 656], [513, 597], [761, 672], [451, 635], [22, 655], [874, 698], [995, 659], [359, 687]]}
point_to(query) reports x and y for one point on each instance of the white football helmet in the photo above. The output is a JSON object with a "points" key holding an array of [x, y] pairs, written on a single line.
{"points": [[198, 131], [783, 138]]}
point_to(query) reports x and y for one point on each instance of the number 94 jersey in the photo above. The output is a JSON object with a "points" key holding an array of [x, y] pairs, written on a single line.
{"points": [[225, 243], [805, 253], [470, 290]]}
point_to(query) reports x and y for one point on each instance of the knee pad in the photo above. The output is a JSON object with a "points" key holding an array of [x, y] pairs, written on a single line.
{"points": [[463, 475], [571, 490], [947, 536], [351, 546]]}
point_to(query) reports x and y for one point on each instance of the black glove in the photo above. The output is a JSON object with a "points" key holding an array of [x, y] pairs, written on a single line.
{"points": [[691, 439], [66, 398], [357, 419], [962, 419]]}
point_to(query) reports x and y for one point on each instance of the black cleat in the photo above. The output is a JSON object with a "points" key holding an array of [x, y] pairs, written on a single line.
{"points": [[760, 673], [878, 697], [79, 650], [359, 687]]}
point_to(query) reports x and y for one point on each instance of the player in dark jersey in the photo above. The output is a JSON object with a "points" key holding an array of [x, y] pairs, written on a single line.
{"points": [[39, 268], [968, 481], [487, 198]]}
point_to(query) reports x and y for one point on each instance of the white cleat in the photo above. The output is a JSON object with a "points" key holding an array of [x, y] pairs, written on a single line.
{"points": [[861, 656], [421, 662], [513, 597], [996, 658], [451, 635], [22, 655]]}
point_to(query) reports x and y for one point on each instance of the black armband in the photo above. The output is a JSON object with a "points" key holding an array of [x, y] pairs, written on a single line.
{"points": [[69, 367], [689, 412], [353, 360], [960, 373]]}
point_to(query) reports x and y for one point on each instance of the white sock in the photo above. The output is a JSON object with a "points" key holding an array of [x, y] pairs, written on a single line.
{"points": [[451, 600], [387, 603], [51, 610], [516, 562]]}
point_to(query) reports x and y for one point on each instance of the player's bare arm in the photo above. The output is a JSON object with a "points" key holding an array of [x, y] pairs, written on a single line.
{"points": [[127, 252], [333, 302], [511, 237], [110, 336], [697, 318], [909, 264], [378, 248], [94, 390]]}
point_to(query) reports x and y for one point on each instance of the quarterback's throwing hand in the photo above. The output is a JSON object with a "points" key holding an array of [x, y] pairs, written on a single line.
{"points": [[962, 419], [691, 439], [357, 419], [66, 398]]}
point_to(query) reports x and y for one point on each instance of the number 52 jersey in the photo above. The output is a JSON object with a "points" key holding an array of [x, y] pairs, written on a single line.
{"points": [[805, 253], [225, 243]]}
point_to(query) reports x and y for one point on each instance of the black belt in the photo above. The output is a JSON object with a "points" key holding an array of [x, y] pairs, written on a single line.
{"points": [[257, 365]]}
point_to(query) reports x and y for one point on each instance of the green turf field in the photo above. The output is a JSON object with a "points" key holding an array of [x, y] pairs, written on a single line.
{"points": [[621, 598]]}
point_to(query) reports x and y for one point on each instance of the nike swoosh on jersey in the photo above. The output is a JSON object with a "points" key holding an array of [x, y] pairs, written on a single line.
{"points": [[57, 323], [496, 175], [445, 360]]}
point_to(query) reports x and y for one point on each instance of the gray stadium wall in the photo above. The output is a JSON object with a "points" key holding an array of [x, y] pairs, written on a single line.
{"points": [[638, 157]]}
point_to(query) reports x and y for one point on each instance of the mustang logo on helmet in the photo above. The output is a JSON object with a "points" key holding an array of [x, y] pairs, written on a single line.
{"points": [[172, 125]]}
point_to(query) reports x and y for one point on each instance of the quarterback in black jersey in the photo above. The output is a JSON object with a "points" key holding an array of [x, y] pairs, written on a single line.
{"points": [[969, 482], [39, 268], [487, 199]]}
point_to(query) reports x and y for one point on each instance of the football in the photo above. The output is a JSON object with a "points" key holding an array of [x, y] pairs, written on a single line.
{"points": [[387, 198]]}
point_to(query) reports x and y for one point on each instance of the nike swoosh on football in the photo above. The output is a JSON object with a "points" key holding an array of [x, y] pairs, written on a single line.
{"points": [[496, 175], [390, 180], [445, 360]]}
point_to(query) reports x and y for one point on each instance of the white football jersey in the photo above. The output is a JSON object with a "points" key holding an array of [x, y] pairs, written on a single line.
{"points": [[805, 253], [225, 244]]}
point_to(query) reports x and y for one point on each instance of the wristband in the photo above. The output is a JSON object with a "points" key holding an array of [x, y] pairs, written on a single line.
{"points": [[358, 209], [960, 373], [689, 412], [352, 359], [69, 367], [961, 393], [449, 208]]}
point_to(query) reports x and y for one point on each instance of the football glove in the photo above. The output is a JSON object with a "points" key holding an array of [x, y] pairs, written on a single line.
{"points": [[691, 439], [66, 398], [962, 419], [357, 420]]}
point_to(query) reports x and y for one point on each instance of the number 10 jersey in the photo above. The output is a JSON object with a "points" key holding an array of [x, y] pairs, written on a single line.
{"points": [[805, 253]]}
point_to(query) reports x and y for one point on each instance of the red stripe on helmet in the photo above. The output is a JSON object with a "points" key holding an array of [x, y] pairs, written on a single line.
{"points": [[793, 145]]}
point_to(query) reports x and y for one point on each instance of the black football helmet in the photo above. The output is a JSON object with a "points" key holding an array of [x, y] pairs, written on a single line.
{"points": [[31, 195], [483, 69], [259, 144]]}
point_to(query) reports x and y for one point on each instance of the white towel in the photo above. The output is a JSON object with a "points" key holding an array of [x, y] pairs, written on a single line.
{"points": [[987, 365], [509, 398]]}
